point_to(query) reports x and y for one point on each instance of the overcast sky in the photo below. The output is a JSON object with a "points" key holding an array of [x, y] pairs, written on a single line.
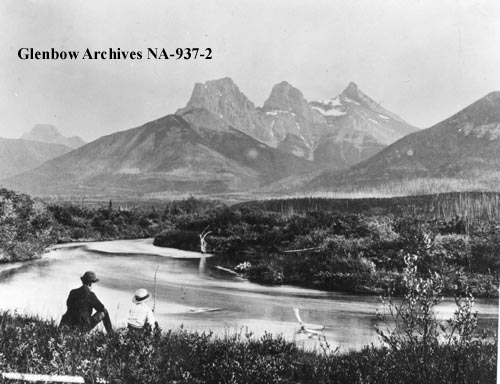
{"points": [[423, 60]]}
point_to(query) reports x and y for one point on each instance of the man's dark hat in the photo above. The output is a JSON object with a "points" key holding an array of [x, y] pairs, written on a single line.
{"points": [[89, 277]]}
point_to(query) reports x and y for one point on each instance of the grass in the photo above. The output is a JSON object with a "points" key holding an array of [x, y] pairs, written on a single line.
{"points": [[31, 345]]}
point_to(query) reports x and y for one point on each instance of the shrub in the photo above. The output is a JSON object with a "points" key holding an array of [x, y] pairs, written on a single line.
{"points": [[265, 274], [416, 331]]}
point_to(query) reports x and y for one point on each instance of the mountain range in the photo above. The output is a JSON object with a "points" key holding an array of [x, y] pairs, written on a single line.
{"points": [[220, 142], [462, 152], [333, 134], [166, 154]]}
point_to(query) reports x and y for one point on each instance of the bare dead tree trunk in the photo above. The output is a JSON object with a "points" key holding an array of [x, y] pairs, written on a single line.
{"points": [[203, 243]]}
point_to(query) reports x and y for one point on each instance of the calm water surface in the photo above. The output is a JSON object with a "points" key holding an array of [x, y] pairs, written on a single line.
{"points": [[193, 293]]}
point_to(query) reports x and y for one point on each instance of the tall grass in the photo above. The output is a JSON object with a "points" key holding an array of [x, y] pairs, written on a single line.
{"points": [[28, 344]]}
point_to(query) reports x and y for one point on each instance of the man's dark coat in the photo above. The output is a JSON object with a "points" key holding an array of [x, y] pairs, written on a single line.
{"points": [[81, 302]]}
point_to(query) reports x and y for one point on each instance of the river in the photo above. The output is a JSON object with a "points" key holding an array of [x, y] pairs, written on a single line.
{"points": [[193, 293]]}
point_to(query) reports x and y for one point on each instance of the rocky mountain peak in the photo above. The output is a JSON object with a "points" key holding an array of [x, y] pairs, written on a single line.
{"points": [[285, 97], [352, 90], [287, 121], [354, 93], [219, 96], [225, 101], [226, 86]]}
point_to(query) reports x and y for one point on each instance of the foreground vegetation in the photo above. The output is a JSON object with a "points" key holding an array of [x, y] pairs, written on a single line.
{"points": [[30, 345], [416, 349]]}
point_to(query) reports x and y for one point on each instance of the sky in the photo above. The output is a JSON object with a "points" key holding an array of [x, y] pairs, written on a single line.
{"points": [[421, 59]]}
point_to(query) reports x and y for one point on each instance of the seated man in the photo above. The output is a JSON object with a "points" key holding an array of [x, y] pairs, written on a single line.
{"points": [[140, 314], [81, 302]]}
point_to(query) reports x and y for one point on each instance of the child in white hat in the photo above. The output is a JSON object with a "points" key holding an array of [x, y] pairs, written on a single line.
{"points": [[140, 313]]}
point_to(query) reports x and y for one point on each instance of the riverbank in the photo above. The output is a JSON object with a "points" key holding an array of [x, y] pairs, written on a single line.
{"points": [[28, 344], [344, 252], [360, 254], [28, 227]]}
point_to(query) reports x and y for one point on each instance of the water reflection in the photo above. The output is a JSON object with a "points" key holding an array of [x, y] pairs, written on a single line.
{"points": [[202, 268]]}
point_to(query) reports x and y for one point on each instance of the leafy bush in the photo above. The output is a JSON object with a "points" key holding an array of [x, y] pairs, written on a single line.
{"points": [[30, 345], [416, 331], [25, 228], [265, 274]]}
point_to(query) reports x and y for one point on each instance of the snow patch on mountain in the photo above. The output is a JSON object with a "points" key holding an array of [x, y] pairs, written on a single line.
{"points": [[330, 112], [335, 102], [334, 112], [277, 112], [348, 100], [332, 107]]}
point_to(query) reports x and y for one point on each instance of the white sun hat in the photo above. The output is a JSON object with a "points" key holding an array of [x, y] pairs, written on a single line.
{"points": [[141, 296]]}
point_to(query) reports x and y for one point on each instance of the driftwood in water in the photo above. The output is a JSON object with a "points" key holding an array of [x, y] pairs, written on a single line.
{"points": [[227, 270], [309, 331], [301, 250], [203, 243], [278, 249]]}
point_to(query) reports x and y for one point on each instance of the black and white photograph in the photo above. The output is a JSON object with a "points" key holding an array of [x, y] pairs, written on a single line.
{"points": [[249, 191]]}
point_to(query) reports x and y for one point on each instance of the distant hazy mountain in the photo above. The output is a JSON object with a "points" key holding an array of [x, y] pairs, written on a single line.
{"points": [[47, 133], [165, 155], [464, 148], [333, 134], [18, 155]]}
